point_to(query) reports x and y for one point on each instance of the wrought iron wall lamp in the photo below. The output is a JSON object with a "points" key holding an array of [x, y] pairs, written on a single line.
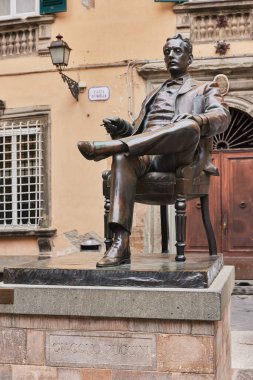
{"points": [[60, 51]]}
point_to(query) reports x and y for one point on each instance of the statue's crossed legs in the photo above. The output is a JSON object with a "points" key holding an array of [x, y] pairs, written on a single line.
{"points": [[158, 149]]}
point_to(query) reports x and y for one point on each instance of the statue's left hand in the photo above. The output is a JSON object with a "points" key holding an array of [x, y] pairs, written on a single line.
{"points": [[182, 116]]}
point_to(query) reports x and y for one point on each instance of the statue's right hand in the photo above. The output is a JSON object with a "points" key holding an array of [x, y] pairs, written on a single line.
{"points": [[112, 124], [117, 127]]}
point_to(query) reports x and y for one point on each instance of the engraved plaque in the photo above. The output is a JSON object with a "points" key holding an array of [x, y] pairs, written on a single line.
{"points": [[101, 350]]}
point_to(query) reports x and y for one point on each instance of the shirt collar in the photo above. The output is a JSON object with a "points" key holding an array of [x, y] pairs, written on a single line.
{"points": [[179, 80]]}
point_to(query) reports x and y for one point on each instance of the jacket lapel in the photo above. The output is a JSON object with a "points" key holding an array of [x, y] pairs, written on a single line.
{"points": [[153, 93], [187, 86], [142, 114]]}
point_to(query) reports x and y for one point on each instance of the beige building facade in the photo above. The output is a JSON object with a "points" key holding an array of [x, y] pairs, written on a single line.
{"points": [[51, 197]]}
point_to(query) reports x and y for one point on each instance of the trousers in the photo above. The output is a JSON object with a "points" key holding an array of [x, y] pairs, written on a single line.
{"points": [[159, 149]]}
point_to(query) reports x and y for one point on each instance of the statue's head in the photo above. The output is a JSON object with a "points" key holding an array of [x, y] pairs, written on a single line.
{"points": [[177, 55]]}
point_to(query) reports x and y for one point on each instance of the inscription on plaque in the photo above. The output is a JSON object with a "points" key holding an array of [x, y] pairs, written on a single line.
{"points": [[101, 350], [99, 93]]}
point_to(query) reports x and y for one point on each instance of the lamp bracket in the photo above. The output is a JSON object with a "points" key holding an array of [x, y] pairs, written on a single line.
{"points": [[72, 84]]}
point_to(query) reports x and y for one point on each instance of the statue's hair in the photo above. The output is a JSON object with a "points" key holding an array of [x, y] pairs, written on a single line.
{"points": [[187, 42]]}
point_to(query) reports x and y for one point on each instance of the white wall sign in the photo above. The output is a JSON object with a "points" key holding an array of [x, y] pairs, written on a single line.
{"points": [[99, 93]]}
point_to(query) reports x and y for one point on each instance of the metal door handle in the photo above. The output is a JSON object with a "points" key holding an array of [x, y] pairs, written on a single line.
{"points": [[243, 204], [225, 224]]}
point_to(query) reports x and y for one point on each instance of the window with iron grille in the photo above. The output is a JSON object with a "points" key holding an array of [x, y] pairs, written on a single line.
{"points": [[22, 173]]}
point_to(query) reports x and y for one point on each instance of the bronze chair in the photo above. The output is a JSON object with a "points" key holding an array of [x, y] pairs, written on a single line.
{"points": [[157, 188]]}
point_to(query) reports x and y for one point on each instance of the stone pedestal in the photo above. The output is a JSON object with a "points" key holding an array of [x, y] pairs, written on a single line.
{"points": [[116, 333]]}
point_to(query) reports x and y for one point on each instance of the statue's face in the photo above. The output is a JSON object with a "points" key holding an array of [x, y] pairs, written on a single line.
{"points": [[176, 57]]}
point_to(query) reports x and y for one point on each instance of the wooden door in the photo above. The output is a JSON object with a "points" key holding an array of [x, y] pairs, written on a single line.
{"points": [[237, 212], [231, 209]]}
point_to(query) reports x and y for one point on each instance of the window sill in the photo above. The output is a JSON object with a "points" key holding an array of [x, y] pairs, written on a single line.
{"points": [[12, 22], [38, 232]]}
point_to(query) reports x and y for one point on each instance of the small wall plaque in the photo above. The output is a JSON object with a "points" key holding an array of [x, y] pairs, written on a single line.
{"points": [[6, 296], [99, 93]]}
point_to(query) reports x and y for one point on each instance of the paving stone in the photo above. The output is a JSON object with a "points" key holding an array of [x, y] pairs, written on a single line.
{"points": [[242, 313], [244, 375], [242, 349]]}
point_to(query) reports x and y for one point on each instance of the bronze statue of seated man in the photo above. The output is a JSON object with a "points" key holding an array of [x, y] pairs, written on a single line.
{"points": [[164, 137]]}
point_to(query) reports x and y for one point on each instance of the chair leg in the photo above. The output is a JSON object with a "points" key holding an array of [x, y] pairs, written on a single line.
{"points": [[180, 207], [107, 231], [164, 227], [204, 200]]}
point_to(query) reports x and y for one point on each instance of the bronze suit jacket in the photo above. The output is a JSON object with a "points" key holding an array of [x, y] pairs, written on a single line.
{"points": [[196, 98]]}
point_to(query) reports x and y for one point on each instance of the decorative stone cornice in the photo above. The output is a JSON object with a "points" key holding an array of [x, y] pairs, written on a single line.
{"points": [[210, 5], [209, 21], [237, 69], [203, 68]]}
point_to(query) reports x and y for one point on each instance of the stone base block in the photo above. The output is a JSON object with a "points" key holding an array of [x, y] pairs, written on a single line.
{"points": [[89, 347], [157, 271]]}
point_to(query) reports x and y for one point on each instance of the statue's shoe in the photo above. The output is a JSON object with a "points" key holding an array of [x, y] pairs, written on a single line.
{"points": [[95, 150], [114, 257]]}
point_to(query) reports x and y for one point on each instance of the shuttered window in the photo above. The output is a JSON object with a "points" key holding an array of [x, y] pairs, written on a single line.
{"points": [[18, 9], [52, 6]]}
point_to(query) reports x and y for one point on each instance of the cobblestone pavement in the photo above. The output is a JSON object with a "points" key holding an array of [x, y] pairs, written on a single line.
{"points": [[242, 337]]}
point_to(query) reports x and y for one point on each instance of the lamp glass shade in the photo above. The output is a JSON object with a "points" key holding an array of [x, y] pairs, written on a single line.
{"points": [[57, 55], [59, 51], [66, 55]]}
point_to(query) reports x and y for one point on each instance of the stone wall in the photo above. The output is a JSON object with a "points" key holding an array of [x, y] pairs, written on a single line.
{"points": [[81, 348]]}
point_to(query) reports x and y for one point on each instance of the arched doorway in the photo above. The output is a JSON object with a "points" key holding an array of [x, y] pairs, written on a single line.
{"points": [[231, 198]]}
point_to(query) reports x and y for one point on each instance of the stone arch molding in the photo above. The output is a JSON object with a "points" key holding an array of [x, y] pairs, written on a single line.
{"points": [[240, 103]]}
